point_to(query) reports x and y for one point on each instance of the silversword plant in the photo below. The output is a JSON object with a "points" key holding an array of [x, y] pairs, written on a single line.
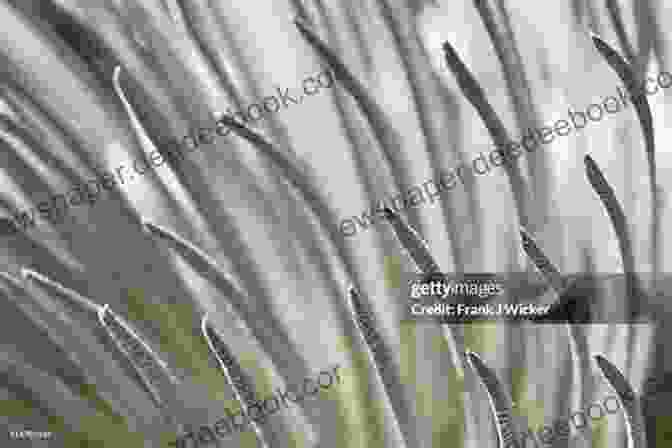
{"points": [[247, 217]]}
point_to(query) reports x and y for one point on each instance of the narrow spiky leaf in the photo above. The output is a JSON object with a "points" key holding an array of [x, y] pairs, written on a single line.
{"points": [[239, 380], [570, 307], [476, 96], [500, 402], [456, 348], [617, 216], [143, 139], [366, 322], [615, 13], [386, 134], [630, 403], [542, 262], [270, 334], [381, 358], [638, 97], [15, 292], [412, 242], [297, 174], [72, 296], [242, 385], [151, 369], [201, 262], [128, 363], [147, 363], [634, 87], [626, 73], [496, 17]]}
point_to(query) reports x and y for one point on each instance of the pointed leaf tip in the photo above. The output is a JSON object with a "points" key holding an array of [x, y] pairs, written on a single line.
{"points": [[204, 326], [615, 378], [500, 401], [209, 332], [71, 296], [116, 73], [632, 409], [599, 42], [474, 359]]}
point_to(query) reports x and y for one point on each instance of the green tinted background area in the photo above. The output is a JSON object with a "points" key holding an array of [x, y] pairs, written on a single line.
{"points": [[360, 417]]}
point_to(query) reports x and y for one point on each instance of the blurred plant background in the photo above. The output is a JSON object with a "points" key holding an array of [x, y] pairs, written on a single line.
{"points": [[248, 227]]}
